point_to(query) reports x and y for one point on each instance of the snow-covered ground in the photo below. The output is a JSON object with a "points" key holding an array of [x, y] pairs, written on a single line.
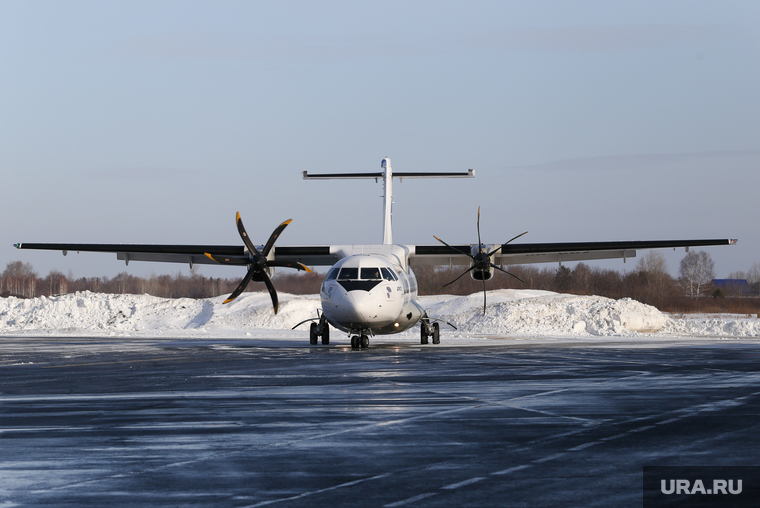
{"points": [[511, 313]]}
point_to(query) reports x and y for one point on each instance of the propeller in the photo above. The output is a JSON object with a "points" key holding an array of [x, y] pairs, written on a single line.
{"points": [[481, 261], [257, 262]]}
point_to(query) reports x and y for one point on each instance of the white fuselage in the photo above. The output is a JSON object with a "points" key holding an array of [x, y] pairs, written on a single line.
{"points": [[369, 293]]}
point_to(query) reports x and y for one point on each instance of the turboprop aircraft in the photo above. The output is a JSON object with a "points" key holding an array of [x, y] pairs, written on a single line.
{"points": [[371, 289]]}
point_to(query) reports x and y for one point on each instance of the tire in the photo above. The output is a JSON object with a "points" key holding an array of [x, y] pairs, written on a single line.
{"points": [[326, 334], [436, 333], [313, 334], [423, 335], [355, 342], [365, 342]]}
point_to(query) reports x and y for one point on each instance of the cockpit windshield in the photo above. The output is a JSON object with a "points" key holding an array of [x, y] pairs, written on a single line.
{"points": [[388, 274], [348, 274], [371, 273], [365, 273]]}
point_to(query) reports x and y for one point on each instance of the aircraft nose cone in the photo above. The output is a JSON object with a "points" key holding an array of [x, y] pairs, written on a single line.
{"points": [[360, 309], [372, 309]]}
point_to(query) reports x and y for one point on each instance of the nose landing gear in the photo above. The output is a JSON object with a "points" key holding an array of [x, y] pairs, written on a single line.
{"points": [[360, 342]]}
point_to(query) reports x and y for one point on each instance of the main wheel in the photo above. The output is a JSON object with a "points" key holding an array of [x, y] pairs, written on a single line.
{"points": [[365, 342], [313, 334], [325, 334], [436, 333], [423, 334], [355, 342]]}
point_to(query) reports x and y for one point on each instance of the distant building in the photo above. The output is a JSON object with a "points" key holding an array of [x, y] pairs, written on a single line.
{"points": [[732, 287]]}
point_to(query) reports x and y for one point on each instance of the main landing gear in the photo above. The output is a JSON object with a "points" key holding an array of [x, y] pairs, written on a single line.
{"points": [[360, 342], [317, 330], [428, 329]]}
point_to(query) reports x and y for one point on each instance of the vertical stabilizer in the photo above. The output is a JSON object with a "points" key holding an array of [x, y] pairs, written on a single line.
{"points": [[387, 200]]}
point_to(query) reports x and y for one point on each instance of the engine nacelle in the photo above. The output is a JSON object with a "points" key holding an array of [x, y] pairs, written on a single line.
{"points": [[481, 263]]}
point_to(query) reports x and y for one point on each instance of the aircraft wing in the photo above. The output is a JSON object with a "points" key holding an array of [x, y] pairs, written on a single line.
{"points": [[326, 255], [192, 254], [527, 253]]}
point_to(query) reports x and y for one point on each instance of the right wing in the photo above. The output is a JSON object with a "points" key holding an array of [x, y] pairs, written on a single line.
{"points": [[192, 254]]}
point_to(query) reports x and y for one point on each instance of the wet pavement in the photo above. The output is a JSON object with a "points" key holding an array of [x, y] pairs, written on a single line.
{"points": [[142, 422]]}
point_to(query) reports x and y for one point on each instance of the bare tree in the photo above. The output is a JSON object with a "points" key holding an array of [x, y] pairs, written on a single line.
{"points": [[654, 269], [753, 275], [20, 279], [697, 270], [56, 283]]}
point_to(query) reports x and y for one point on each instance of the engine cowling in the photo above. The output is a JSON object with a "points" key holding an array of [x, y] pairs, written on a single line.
{"points": [[481, 267]]}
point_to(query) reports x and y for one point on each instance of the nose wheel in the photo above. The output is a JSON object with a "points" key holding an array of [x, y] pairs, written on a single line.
{"points": [[358, 342]]}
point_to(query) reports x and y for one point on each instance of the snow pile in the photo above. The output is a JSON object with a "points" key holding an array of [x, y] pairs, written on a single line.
{"points": [[98, 312], [526, 312], [516, 313], [722, 325]]}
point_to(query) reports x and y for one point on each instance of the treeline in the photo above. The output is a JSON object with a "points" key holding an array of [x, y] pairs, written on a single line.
{"points": [[658, 289], [21, 280], [649, 283]]}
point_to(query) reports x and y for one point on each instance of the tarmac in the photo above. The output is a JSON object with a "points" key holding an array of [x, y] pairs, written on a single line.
{"points": [[540, 423]]}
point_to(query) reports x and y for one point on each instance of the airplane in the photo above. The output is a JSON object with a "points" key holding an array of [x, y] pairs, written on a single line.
{"points": [[371, 290]]}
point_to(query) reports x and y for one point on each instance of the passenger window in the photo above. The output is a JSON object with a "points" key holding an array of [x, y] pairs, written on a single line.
{"points": [[349, 274], [388, 274], [371, 273], [333, 274]]}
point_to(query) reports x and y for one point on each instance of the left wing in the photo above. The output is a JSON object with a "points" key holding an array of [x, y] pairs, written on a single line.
{"points": [[527, 253]]}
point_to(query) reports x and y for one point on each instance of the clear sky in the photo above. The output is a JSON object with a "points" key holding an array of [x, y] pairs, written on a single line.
{"points": [[155, 121]]}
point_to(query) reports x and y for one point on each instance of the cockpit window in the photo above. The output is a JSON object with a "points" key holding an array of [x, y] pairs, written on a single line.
{"points": [[333, 274], [388, 274], [348, 274], [371, 274]]}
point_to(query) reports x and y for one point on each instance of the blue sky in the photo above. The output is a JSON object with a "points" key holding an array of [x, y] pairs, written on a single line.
{"points": [[154, 122]]}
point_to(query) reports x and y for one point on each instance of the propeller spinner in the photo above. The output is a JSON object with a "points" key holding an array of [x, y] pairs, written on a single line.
{"points": [[258, 263], [481, 261]]}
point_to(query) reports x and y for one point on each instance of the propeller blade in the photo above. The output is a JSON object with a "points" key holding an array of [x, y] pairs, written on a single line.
{"points": [[240, 287], [512, 274], [227, 261], [246, 240], [272, 291], [480, 244], [453, 248], [484, 297], [453, 281], [497, 249], [273, 237]]}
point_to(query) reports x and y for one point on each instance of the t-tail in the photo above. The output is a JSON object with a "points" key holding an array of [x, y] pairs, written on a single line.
{"points": [[387, 175]]}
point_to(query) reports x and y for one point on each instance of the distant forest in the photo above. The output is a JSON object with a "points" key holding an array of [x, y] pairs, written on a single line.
{"points": [[650, 282]]}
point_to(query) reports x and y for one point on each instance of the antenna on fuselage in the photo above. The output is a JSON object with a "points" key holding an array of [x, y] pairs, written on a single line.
{"points": [[387, 175]]}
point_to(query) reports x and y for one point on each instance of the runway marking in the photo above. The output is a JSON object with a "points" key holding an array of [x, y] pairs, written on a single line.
{"points": [[511, 470], [410, 500], [616, 436], [464, 483], [584, 446], [550, 457], [641, 429]]}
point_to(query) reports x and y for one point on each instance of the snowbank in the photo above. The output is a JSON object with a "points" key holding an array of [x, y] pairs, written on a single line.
{"points": [[516, 313], [526, 312]]}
